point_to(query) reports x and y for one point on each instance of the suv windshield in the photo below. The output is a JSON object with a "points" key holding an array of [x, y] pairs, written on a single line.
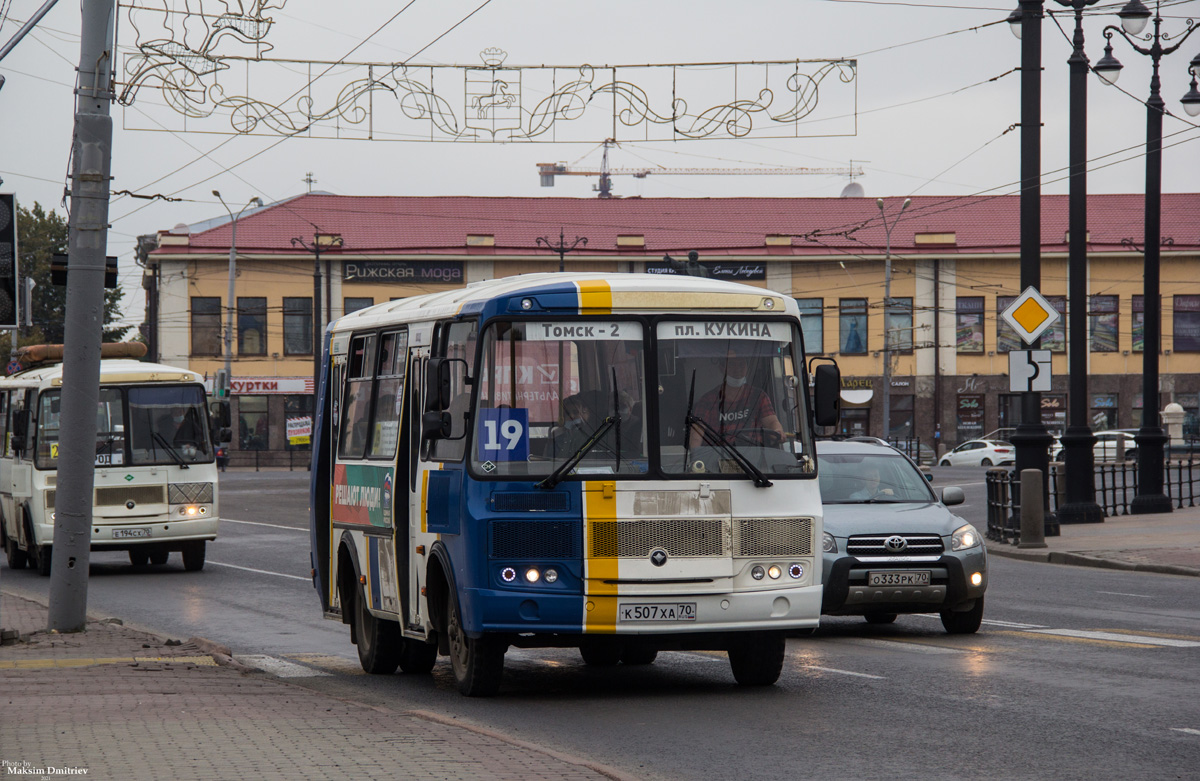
{"points": [[851, 478]]}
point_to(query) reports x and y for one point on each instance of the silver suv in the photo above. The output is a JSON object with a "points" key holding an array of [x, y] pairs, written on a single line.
{"points": [[890, 545]]}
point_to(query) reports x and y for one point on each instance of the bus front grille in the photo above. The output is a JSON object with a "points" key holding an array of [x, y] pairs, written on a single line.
{"points": [[189, 493], [119, 495], [772, 537], [677, 536], [535, 539]]}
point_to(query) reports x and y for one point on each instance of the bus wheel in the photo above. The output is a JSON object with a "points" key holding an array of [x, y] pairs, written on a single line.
{"points": [[193, 556], [159, 557], [758, 659], [638, 655], [478, 662], [138, 557], [41, 558], [418, 657], [17, 558], [379, 640], [600, 654]]}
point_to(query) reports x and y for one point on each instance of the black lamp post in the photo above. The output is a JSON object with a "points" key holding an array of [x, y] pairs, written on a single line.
{"points": [[1080, 505], [1031, 439], [320, 241], [1150, 437], [562, 249]]}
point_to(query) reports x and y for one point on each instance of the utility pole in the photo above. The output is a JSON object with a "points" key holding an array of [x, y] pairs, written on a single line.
{"points": [[87, 247], [887, 315], [326, 241]]}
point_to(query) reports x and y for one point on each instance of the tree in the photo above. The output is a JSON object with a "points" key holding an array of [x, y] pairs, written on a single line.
{"points": [[40, 235]]}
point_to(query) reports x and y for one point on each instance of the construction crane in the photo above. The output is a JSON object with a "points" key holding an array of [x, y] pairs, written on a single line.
{"points": [[547, 172]]}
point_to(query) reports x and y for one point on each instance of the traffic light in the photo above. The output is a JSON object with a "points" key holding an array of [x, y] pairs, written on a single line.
{"points": [[221, 384], [8, 260]]}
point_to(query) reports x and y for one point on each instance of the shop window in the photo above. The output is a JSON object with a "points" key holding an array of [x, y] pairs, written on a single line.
{"points": [[852, 326], [970, 416], [812, 324], [253, 426], [1191, 414], [297, 326], [1103, 322], [206, 326], [1138, 324], [968, 336], [1104, 411], [252, 326], [900, 420], [298, 412], [1185, 324]]}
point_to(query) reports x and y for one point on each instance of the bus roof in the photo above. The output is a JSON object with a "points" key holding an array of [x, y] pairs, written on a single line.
{"points": [[575, 293], [112, 372]]}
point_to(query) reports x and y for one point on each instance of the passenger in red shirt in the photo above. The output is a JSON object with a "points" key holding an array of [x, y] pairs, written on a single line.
{"points": [[738, 411]]}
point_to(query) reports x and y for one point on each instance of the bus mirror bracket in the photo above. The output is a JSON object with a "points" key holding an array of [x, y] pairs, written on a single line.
{"points": [[437, 382], [21, 424], [827, 394], [435, 424]]}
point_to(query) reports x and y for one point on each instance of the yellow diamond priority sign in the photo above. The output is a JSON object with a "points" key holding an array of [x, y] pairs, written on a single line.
{"points": [[1030, 315]]}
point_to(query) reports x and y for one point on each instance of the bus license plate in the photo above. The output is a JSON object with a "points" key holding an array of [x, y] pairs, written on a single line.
{"points": [[920, 578], [122, 534], [679, 611]]}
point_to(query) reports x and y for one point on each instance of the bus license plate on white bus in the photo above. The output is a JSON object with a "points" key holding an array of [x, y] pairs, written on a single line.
{"points": [[919, 578], [121, 534], [680, 611]]}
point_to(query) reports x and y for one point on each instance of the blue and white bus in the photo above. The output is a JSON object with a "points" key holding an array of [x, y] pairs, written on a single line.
{"points": [[621, 465]]}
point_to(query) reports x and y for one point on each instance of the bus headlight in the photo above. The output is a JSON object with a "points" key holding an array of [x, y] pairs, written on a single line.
{"points": [[532, 575], [508, 574], [551, 575], [964, 537], [758, 573], [796, 571], [189, 511], [774, 572]]}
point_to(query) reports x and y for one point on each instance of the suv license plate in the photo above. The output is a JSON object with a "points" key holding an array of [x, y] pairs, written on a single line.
{"points": [[679, 611], [121, 534], [920, 578]]}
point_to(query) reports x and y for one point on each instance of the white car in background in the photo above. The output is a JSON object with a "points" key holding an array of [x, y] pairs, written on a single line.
{"points": [[980, 452], [1106, 447]]}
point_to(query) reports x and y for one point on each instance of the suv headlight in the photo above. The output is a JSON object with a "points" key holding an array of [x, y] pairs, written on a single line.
{"points": [[964, 537], [828, 543]]}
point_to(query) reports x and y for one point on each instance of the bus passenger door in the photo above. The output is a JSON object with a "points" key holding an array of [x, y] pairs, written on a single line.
{"points": [[413, 565]]}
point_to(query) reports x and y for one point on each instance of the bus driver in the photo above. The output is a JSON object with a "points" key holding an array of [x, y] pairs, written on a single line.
{"points": [[736, 410]]}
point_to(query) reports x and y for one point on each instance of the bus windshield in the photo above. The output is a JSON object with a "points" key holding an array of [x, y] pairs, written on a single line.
{"points": [[134, 426], [570, 398]]}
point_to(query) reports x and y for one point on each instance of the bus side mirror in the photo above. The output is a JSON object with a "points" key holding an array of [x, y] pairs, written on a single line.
{"points": [[437, 385], [435, 425], [827, 395], [21, 423], [219, 411]]}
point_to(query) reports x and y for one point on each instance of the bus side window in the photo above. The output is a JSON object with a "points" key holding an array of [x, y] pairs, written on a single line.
{"points": [[356, 408]]}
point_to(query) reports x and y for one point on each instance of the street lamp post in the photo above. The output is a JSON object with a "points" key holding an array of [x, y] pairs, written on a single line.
{"points": [[562, 249], [320, 241], [887, 313], [1150, 437], [222, 387], [1078, 441]]}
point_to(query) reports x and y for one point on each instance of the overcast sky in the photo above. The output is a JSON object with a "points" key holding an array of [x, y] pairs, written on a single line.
{"points": [[936, 91]]}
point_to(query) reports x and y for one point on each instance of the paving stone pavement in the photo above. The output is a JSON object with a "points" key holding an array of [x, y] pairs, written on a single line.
{"points": [[123, 704]]}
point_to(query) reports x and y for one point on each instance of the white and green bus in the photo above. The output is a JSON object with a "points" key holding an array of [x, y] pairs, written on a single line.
{"points": [[156, 476]]}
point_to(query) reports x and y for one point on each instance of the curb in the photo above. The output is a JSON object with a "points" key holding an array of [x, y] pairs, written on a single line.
{"points": [[1084, 560], [220, 654]]}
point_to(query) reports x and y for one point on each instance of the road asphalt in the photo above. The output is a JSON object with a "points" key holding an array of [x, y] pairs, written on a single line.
{"points": [[115, 703]]}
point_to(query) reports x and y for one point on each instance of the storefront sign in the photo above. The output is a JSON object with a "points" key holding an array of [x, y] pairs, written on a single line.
{"points": [[970, 416], [856, 383], [266, 386], [437, 271], [719, 270], [299, 430]]}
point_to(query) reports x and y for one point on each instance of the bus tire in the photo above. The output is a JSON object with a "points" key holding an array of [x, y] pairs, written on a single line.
{"points": [[757, 660], [418, 657], [138, 557], [41, 559], [637, 655], [159, 557], [478, 662], [379, 640], [193, 556], [17, 558], [600, 654]]}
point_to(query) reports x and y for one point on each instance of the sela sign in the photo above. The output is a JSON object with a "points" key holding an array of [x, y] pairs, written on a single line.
{"points": [[403, 271]]}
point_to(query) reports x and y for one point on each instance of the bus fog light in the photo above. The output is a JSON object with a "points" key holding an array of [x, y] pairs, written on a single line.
{"points": [[976, 578], [796, 571], [774, 572], [551, 575], [532, 575], [508, 574], [204, 511], [758, 572]]}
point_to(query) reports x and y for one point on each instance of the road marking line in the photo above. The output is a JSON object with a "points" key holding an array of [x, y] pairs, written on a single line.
{"points": [[259, 571], [1186, 730], [903, 645], [260, 523], [280, 668], [1014, 624], [1123, 594], [844, 672], [337, 664], [1117, 638]]}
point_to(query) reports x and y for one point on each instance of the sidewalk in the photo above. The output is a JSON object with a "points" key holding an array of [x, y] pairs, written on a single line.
{"points": [[123, 704], [1168, 543]]}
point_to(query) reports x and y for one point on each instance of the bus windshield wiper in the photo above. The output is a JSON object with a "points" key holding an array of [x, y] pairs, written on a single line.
{"points": [[714, 439], [557, 475], [175, 455]]}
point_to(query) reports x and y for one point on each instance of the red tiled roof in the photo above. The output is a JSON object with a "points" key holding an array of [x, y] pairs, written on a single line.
{"points": [[386, 224]]}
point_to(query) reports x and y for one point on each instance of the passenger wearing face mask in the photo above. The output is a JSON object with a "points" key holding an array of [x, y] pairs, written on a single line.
{"points": [[737, 410], [181, 427], [576, 426]]}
